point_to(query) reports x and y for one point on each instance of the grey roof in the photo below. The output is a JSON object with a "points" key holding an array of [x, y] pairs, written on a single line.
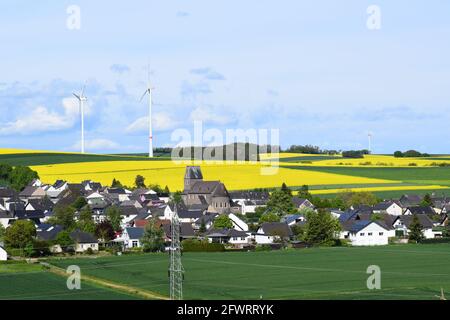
{"points": [[276, 228], [300, 201], [215, 188], [5, 215], [29, 214], [186, 230], [208, 217], [193, 172], [29, 191], [250, 195], [421, 210], [216, 233], [135, 233], [189, 214], [49, 234], [423, 219], [83, 237], [383, 205], [8, 193], [357, 225], [410, 199]]}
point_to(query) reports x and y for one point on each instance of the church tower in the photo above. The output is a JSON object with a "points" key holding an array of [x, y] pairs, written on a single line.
{"points": [[192, 175]]}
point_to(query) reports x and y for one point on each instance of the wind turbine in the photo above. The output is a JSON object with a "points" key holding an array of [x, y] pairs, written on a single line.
{"points": [[149, 91], [81, 98], [369, 135]]}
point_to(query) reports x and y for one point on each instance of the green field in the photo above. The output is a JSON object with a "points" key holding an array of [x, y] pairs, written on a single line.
{"points": [[408, 272], [37, 159], [31, 282]]}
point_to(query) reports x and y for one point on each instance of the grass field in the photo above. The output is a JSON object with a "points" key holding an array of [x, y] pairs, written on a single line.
{"points": [[407, 272], [31, 282]]}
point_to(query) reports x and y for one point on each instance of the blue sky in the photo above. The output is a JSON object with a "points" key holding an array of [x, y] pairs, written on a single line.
{"points": [[311, 69]]}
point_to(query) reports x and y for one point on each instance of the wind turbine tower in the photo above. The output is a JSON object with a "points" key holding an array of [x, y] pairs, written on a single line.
{"points": [[370, 141], [81, 99], [149, 91]]}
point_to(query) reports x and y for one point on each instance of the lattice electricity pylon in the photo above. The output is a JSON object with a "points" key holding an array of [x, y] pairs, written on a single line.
{"points": [[176, 268]]}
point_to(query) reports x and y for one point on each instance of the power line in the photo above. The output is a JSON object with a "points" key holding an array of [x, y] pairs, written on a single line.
{"points": [[176, 268]]}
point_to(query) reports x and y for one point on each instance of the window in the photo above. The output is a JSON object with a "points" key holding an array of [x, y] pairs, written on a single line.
{"points": [[369, 234], [134, 244], [380, 233], [362, 234], [242, 238]]}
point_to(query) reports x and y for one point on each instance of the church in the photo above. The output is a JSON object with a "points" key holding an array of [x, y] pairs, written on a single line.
{"points": [[212, 195]]}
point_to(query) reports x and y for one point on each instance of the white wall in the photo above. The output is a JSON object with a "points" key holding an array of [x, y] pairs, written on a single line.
{"points": [[3, 254], [371, 235]]}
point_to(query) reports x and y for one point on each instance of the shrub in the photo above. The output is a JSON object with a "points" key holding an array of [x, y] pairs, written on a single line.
{"points": [[201, 246], [435, 240], [412, 164], [89, 251], [263, 247]]}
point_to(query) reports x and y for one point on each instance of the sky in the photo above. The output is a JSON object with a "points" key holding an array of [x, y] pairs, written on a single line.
{"points": [[314, 70]]}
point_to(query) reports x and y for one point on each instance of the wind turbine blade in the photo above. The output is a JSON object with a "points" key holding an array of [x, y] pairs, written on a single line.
{"points": [[144, 95], [82, 89], [77, 96]]}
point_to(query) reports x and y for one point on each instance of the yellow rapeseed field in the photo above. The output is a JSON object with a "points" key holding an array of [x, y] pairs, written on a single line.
{"points": [[235, 176]]}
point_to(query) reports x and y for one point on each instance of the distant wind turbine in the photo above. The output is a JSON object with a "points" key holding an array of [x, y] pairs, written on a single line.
{"points": [[82, 99], [149, 91], [370, 141]]}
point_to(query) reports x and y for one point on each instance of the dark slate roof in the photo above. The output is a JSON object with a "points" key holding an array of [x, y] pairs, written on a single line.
{"points": [[290, 218], [300, 201], [186, 230], [41, 204], [116, 190], [423, 219], [215, 188], [49, 234], [347, 215], [193, 172], [410, 199], [5, 215], [208, 217], [357, 225], [190, 214], [421, 210], [226, 233], [130, 210], [28, 191], [29, 214], [8, 193], [276, 228], [383, 205], [135, 233], [250, 195], [83, 237], [58, 184]]}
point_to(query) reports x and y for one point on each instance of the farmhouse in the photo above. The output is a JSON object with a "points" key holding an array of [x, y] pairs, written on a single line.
{"points": [[230, 236], [366, 232], [271, 232]]}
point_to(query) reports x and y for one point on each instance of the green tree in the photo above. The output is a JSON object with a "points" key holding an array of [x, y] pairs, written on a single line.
{"points": [[223, 222], [116, 184], [21, 176], [426, 201], [415, 230], [202, 228], [321, 228], [5, 172], [20, 234], [398, 154], [285, 189], [269, 217], [64, 216], [113, 216], [64, 240], [153, 238], [280, 202], [105, 231], [139, 181], [176, 197], [167, 190], [2, 232], [86, 223], [79, 203], [350, 198], [304, 193]]}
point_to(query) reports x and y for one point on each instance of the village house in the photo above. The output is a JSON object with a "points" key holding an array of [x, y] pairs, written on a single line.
{"points": [[233, 237], [83, 241], [366, 232], [389, 207], [271, 232], [402, 226]]}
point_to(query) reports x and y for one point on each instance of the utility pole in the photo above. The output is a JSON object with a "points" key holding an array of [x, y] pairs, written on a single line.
{"points": [[176, 268]]}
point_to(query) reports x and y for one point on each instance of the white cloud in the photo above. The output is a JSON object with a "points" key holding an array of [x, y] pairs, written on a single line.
{"points": [[97, 144], [206, 114], [161, 122], [42, 119]]}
